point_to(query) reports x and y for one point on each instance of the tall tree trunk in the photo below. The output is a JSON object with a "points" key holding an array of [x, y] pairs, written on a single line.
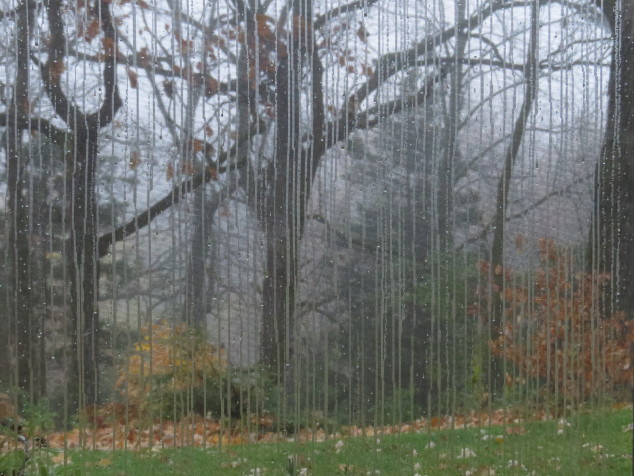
{"points": [[280, 220], [83, 265], [26, 342], [445, 192], [197, 282], [82, 156], [612, 237], [290, 179], [497, 249]]}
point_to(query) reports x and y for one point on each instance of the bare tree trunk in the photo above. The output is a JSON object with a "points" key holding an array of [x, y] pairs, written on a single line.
{"points": [[83, 265], [81, 248], [23, 330], [446, 167], [612, 239], [280, 220], [499, 220], [197, 282], [290, 180]]}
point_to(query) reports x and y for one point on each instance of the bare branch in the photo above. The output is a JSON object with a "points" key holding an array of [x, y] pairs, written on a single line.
{"points": [[321, 20], [177, 194], [553, 193]]}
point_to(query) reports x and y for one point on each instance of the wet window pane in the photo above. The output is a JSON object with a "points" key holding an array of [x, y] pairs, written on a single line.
{"points": [[234, 222]]}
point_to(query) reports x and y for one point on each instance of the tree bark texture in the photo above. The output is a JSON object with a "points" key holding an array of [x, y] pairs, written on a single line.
{"points": [[81, 248], [613, 222], [26, 342]]}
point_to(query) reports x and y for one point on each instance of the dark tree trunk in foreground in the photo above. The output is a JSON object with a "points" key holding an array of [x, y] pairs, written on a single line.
{"points": [[82, 161], [25, 338], [496, 377], [198, 283], [83, 265], [613, 222], [281, 212]]}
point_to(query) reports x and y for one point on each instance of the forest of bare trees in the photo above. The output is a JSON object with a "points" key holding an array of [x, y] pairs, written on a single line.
{"points": [[308, 183]]}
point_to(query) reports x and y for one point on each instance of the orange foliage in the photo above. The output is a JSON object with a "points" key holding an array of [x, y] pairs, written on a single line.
{"points": [[167, 359], [133, 77], [56, 70], [6, 407], [554, 331]]}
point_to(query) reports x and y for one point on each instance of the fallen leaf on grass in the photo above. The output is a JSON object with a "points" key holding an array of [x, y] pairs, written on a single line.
{"points": [[515, 430], [593, 448], [233, 464], [338, 445], [59, 459], [466, 453], [512, 463]]}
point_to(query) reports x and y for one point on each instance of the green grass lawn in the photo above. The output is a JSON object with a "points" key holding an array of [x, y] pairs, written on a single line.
{"points": [[586, 444]]}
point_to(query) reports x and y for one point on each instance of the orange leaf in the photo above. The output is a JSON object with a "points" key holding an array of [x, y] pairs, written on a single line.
{"points": [[56, 69], [436, 422], [169, 174], [108, 46], [168, 87], [144, 57], [188, 168], [92, 31], [519, 241], [133, 77], [362, 33], [186, 46], [135, 160], [264, 31], [301, 28], [211, 86], [198, 145]]}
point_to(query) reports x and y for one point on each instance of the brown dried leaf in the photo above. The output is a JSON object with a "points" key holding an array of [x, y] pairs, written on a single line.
{"points": [[264, 31], [211, 86], [144, 57], [92, 31], [198, 145], [188, 168], [168, 87], [133, 77], [362, 33], [135, 160], [108, 46], [519, 241], [56, 70]]}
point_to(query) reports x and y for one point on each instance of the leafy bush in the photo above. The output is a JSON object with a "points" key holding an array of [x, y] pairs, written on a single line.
{"points": [[554, 332], [173, 371]]}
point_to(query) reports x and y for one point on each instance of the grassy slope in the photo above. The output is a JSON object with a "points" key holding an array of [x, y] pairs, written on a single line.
{"points": [[593, 444]]}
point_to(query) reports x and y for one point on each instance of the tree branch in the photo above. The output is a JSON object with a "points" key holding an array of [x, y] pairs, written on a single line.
{"points": [[112, 101], [321, 20], [176, 195], [487, 228]]}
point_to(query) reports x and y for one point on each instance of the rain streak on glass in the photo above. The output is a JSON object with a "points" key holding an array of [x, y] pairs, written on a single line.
{"points": [[401, 231]]}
